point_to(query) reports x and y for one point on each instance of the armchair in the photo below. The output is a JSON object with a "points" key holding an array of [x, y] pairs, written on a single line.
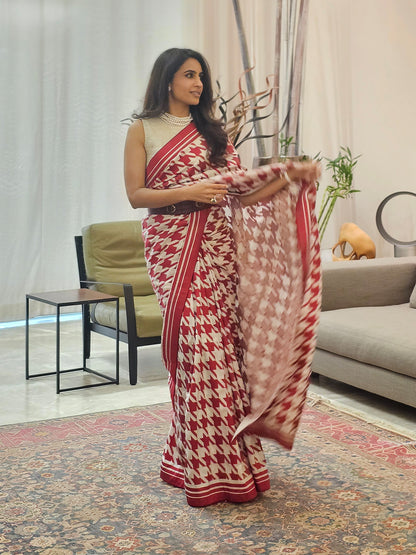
{"points": [[111, 259]]}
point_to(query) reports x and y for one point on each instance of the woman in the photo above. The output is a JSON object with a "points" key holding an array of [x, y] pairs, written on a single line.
{"points": [[180, 165]]}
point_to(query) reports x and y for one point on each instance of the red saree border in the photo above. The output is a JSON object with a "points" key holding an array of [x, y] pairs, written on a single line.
{"points": [[179, 292], [170, 150], [189, 255], [217, 490], [303, 221]]}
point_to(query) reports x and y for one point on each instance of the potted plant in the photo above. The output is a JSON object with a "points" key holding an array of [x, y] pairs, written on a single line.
{"points": [[342, 168]]}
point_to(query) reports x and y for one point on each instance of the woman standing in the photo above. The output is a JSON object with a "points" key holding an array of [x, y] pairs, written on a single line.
{"points": [[180, 165]]}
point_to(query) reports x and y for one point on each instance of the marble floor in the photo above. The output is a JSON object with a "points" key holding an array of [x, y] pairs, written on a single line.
{"points": [[35, 399]]}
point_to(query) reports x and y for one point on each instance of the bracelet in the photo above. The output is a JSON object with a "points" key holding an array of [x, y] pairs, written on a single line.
{"points": [[286, 176]]}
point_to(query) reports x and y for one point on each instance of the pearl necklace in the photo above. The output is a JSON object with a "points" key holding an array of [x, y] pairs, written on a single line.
{"points": [[176, 120]]}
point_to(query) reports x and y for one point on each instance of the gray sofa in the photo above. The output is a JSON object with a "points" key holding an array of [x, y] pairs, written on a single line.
{"points": [[367, 330]]}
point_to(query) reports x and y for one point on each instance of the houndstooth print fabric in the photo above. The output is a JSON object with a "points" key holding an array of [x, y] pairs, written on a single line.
{"points": [[241, 364], [279, 294], [210, 397]]}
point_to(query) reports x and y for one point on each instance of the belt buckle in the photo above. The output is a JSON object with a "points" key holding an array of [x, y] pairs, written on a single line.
{"points": [[171, 209]]}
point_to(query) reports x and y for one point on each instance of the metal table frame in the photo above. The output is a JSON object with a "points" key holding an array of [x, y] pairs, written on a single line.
{"points": [[58, 299]]}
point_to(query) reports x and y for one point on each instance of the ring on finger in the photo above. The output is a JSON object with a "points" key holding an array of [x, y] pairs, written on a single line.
{"points": [[214, 199]]}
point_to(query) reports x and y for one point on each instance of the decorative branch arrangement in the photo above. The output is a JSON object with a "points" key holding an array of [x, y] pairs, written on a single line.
{"points": [[285, 96], [290, 39], [239, 126], [249, 77], [297, 75]]}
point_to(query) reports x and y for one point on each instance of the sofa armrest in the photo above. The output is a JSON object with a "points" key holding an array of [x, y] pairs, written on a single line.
{"points": [[374, 282]]}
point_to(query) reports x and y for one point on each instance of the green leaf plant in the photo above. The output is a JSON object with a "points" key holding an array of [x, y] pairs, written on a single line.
{"points": [[285, 143], [342, 168]]}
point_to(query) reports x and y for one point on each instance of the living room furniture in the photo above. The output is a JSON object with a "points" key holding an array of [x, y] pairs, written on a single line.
{"points": [[59, 299], [367, 331], [111, 259]]}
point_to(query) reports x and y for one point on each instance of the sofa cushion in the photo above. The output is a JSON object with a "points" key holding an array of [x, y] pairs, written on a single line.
{"points": [[413, 298], [374, 282], [383, 336], [114, 252], [148, 316]]}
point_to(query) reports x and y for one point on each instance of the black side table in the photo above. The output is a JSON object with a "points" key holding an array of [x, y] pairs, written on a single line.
{"points": [[58, 299]]}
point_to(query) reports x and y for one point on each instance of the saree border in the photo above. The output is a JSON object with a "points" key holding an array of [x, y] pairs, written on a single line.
{"points": [[179, 293], [177, 143]]}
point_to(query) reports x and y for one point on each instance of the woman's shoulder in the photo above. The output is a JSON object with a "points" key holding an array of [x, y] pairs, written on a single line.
{"points": [[137, 124], [136, 130], [145, 123]]}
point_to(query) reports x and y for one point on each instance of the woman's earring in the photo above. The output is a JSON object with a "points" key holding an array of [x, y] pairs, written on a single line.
{"points": [[169, 88]]}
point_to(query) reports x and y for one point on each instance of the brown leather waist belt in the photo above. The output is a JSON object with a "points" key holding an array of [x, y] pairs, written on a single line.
{"points": [[179, 208]]}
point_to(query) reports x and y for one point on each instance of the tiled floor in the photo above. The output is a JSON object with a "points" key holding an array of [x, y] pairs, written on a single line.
{"points": [[35, 399]]}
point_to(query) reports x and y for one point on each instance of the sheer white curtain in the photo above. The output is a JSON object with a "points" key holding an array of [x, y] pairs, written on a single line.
{"points": [[70, 71], [359, 90]]}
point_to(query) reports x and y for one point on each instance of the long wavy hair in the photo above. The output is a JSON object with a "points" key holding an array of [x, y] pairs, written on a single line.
{"points": [[156, 100]]}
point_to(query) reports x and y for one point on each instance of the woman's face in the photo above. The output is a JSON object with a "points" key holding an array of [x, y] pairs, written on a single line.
{"points": [[186, 87]]}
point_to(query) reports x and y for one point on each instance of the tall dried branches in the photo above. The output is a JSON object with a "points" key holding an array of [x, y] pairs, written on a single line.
{"points": [[290, 40]]}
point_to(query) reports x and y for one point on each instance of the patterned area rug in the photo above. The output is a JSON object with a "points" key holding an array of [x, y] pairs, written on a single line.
{"points": [[90, 485]]}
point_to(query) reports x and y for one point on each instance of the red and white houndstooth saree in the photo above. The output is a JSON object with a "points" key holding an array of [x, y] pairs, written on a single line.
{"points": [[239, 290]]}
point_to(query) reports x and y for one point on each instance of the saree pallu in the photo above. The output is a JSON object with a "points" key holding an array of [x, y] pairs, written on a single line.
{"points": [[211, 340]]}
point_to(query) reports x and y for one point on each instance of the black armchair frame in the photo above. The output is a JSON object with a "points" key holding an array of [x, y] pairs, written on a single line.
{"points": [[130, 337]]}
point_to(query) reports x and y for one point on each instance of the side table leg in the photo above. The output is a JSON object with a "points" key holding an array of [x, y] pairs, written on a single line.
{"points": [[58, 346], [27, 339], [118, 342], [86, 332], [85, 346]]}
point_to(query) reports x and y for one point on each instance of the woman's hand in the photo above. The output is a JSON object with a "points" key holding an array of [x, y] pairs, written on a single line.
{"points": [[296, 171], [206, 192]]}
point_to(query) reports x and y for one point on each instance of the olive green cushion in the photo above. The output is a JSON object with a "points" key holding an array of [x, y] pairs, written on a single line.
{"points": [[148, 316], [114, 252]]}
